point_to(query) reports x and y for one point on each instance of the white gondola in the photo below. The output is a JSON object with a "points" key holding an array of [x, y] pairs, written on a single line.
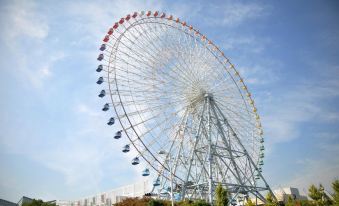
{"points": [[156, 182], [106, 107], [117, 135], [111, 121], [145, 172], [125, 148], [100, 80], [262, 147], [261, 155], [100, 68], [135, 161], [102, 93], [261, 162]]}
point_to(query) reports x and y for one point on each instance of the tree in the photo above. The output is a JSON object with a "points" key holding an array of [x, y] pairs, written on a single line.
{"points": [[270, 201], [221, 196], [326, 200], [154, 202], [315, 195], [249, 203], [318, 195], [184, 203], [304, 203], [335, 186], [201, 203], [135, 201], [290, 201], [38, 203]]}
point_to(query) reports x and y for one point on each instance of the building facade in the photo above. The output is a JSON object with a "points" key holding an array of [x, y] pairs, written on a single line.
{"points": [[111, 197]]}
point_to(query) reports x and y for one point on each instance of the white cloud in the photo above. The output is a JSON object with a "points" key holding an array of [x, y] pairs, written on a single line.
{"points": [[25, 31], [284, 115], [263, 72], [248, 43], [232, 13], [22, 19], [236, 13]]}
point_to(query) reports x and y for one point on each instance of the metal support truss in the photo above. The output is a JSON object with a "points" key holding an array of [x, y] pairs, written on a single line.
{"points": [[220, 153]]}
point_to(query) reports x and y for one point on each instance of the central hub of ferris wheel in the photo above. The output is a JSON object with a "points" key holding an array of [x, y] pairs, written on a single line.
{"points": [[184, 110]]}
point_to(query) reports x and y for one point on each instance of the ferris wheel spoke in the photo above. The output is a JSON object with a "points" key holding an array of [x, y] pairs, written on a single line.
{"points": [[159, 50], [137, 67], [227, 108], [153, 57]]}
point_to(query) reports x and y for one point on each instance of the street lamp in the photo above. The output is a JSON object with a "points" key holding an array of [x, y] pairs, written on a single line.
{"points": [[162, 152]]}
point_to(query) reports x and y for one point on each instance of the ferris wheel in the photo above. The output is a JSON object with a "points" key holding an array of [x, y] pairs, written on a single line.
{"points": [[183, 107]]}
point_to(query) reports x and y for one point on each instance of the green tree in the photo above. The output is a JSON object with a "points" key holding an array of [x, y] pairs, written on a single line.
{"points": [[290, 201], [201, 203], [38, 203], [184, 203], [315, 195], [335, 186], [249, 202], [221, 196], [270, 201], [325, 199], [304, 203], [154, 202], [318, 195], [135, 201]]}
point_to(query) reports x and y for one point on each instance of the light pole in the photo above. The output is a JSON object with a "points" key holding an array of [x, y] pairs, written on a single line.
{"points": [[162, 152]]}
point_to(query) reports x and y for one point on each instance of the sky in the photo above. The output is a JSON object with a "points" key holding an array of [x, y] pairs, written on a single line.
{"points": [[54, 143]]}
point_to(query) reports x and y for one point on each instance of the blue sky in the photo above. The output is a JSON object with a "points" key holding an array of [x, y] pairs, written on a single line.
{"points": [[54, 143]]}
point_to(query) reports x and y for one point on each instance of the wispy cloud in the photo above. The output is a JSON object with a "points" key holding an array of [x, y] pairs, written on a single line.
{"points": [[24, 34], [236, 13], [304, 103], [232, 13], [22, 19]]}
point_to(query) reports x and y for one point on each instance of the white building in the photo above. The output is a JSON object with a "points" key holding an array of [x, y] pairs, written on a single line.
{"points": [[282, 195], [108, 198]]}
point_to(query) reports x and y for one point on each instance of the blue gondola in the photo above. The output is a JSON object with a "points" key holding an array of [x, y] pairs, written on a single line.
{"points": [[102, 93], [106, 107], [117, 135], [156, 182], [125, 148], [102, 47], [135, 161], [100, 57], [260, 169], [145, 172], [262, 147], [100, 68], [257, 177], [262, 140], [110, 121], [100, 80]]}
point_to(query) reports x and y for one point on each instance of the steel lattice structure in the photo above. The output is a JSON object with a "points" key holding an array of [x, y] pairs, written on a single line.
{"points": [[183, 106]]}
